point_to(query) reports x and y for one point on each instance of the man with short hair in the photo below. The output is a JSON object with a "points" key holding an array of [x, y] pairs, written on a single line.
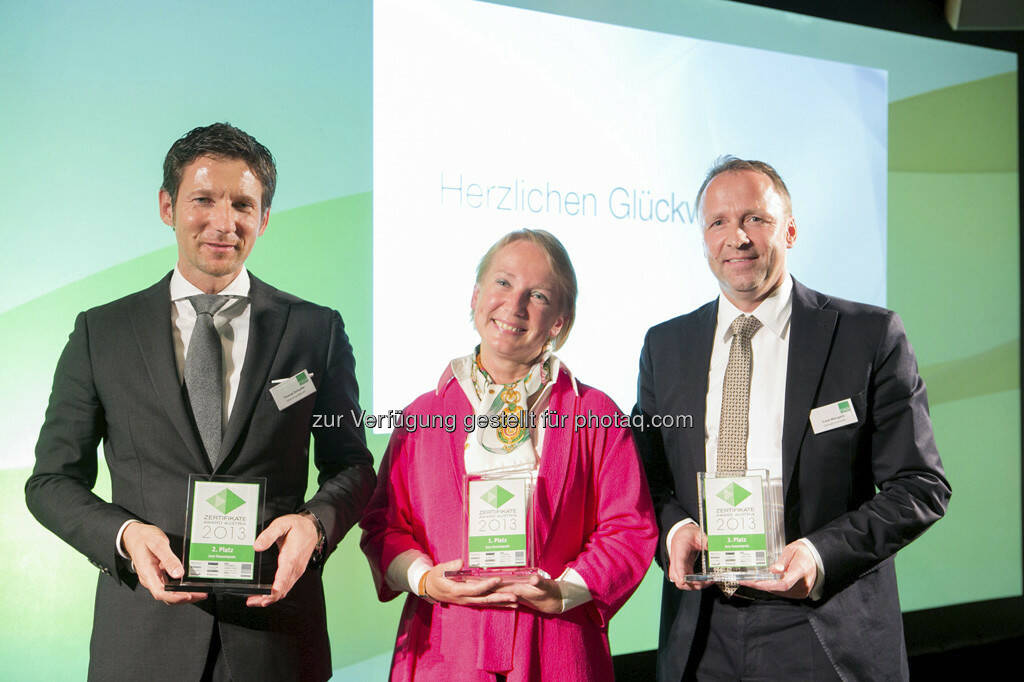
{"points": [[175, 380], [750, 367]]}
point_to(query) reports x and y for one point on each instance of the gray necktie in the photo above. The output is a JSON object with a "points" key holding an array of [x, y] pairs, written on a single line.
{"points": [[733, 427], [204, 374]]}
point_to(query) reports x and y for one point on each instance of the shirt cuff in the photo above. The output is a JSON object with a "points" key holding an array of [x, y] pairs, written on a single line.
{"points": [[417, 569], [405, 571], [573, 588], [819, 579], [117, 540], [672, 532]]}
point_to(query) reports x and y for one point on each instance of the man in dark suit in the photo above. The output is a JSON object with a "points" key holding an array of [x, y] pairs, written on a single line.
{"points": [[132, 376], [855, 487]]}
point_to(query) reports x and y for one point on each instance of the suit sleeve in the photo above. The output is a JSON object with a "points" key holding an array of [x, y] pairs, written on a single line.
{"points": [[59, 491], [345, 465], [667, 509], [912, 490]]}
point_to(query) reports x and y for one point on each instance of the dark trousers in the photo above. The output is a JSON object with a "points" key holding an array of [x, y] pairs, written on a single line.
{"points": [[740, 639], [216, 668]]}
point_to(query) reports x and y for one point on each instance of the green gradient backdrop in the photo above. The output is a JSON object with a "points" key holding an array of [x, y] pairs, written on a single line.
{"points": [[102, 89]]}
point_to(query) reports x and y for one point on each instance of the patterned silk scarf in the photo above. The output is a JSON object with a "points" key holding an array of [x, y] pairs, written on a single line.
{"points": [[503, 443]]}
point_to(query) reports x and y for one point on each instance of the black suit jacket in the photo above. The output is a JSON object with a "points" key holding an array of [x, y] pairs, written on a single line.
{"points": [[858, 493], [116, 382]]}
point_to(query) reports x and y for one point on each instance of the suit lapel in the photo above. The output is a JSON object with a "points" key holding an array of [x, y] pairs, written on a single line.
{"points": [[696, 362], [151, 325], [810, 340], [268, 316]]}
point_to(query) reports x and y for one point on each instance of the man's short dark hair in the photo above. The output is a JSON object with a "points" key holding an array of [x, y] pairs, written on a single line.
{"points": [[220, 140], [728, 163]]}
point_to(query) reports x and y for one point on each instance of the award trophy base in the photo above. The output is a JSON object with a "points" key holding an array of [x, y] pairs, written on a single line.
{"points": [[218, 588], [508, 574], [733, 576]]}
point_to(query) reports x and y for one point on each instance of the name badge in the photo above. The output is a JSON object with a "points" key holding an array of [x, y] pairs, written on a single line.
{"points": [[828, 417], [293, 389]]}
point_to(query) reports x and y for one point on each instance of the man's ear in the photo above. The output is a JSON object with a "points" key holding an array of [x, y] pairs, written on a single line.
{"points": [[263, 222], [166, 208]]}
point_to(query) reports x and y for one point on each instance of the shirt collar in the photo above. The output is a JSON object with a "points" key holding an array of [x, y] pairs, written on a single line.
{"points": [[182, 288], [773, 312]]}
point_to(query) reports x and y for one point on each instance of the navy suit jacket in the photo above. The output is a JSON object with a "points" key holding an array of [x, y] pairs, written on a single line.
{"points": [[858, 493], [116, 382]]}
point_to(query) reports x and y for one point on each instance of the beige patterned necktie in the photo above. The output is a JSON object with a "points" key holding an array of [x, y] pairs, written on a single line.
{"points": [[733, 427]]}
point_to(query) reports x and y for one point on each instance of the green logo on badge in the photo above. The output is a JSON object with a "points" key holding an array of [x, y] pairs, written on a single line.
{"points": [[844, 406], [733, 494], [226, 501], [301, 378], [496, 496]]}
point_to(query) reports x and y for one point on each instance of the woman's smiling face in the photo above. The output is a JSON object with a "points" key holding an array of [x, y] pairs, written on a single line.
{"points": [[517, 308]]}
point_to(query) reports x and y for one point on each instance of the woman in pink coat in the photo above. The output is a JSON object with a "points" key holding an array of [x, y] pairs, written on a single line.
{"points": [[593, 526]]}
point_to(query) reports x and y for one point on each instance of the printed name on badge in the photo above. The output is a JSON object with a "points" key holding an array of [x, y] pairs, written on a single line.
{"points": [[828, 417], [292, 389]]}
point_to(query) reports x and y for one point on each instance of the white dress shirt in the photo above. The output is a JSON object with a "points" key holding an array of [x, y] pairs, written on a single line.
{"points": [[770, 354], [767, 410], [231, 321]]}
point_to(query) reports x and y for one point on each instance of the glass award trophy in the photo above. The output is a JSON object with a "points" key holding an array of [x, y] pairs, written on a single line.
{"points": [[499, 528], [741, 515], [223, 516]]}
